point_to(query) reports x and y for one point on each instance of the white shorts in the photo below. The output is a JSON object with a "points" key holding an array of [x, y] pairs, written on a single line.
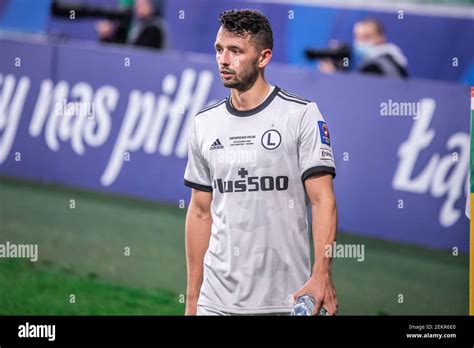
{"points": [[204, 310]]}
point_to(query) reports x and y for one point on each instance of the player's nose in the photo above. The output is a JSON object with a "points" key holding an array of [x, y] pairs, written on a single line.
{"points": [[224, 58]]}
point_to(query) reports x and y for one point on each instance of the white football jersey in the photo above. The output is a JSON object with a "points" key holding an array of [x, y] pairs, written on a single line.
{"points": [[255, 162]]}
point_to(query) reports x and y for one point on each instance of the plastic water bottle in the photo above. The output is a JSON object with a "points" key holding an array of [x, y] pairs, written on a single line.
{"points": [[304, 305]]}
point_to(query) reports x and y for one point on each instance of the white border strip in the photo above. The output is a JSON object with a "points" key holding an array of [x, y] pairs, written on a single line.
{"points": [[437, 10]]}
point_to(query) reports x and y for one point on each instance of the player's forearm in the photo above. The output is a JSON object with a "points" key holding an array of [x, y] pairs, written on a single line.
{"points": [[197, 234], [324, 226]]}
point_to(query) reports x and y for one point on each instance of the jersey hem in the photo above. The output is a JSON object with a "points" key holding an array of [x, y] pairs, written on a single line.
{"points": [[261, 310], [197, 186], [318, 169]]}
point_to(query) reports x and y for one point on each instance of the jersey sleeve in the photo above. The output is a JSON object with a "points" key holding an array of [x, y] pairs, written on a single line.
{"points": [[315, 152], [197, 174]]}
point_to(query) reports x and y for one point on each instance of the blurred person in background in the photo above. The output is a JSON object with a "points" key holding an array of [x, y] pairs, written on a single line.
{"points": [[371, 53], [145, 29]]}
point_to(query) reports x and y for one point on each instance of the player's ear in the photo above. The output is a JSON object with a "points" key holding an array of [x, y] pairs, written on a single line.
{"points": [[264, 57]]}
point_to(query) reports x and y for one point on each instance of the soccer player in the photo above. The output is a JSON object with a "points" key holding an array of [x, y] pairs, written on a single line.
{"points": [[252, 158]]}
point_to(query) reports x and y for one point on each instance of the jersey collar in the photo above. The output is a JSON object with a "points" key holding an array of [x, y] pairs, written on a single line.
{"points": [[244, 113]]}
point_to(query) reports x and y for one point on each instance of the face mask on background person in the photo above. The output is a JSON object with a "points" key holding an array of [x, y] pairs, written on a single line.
{"points": [[361, 51]]}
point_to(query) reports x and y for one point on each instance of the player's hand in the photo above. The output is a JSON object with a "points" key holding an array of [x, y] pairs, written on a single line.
{"points": [[321, 287]]}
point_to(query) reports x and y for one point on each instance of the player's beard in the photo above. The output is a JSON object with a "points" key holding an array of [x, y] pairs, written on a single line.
{"points": [[246, 80]]}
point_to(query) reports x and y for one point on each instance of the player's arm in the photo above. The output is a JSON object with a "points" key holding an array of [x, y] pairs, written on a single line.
{"points": [[323, 205], [318, 170], [197, 235]]}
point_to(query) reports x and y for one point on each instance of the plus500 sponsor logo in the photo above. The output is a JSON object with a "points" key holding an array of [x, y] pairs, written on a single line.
{"points": [[252, 183]]}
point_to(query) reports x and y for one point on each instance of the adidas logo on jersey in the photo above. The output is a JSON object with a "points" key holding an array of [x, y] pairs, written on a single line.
{"points": [[216, 145]]}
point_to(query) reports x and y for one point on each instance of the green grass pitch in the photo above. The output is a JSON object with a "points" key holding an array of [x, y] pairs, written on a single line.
{"points": [[82, 252]]}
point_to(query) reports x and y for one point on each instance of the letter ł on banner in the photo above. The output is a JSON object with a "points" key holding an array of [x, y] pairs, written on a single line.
{"points": [[434, 177]]}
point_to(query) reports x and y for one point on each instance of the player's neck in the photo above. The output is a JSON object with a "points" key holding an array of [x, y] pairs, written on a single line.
{"points": [[252, 97]]}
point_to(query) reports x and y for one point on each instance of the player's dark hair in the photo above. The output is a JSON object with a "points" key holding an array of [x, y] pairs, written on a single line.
{"points": [[377, 24], [249, 22]]}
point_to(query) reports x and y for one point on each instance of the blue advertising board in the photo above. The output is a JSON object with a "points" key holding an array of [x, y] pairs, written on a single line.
{"points": [[117, 120]]}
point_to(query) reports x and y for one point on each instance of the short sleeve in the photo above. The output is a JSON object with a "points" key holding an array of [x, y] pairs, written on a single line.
{"points": [[197, 174], [315, 151]]}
